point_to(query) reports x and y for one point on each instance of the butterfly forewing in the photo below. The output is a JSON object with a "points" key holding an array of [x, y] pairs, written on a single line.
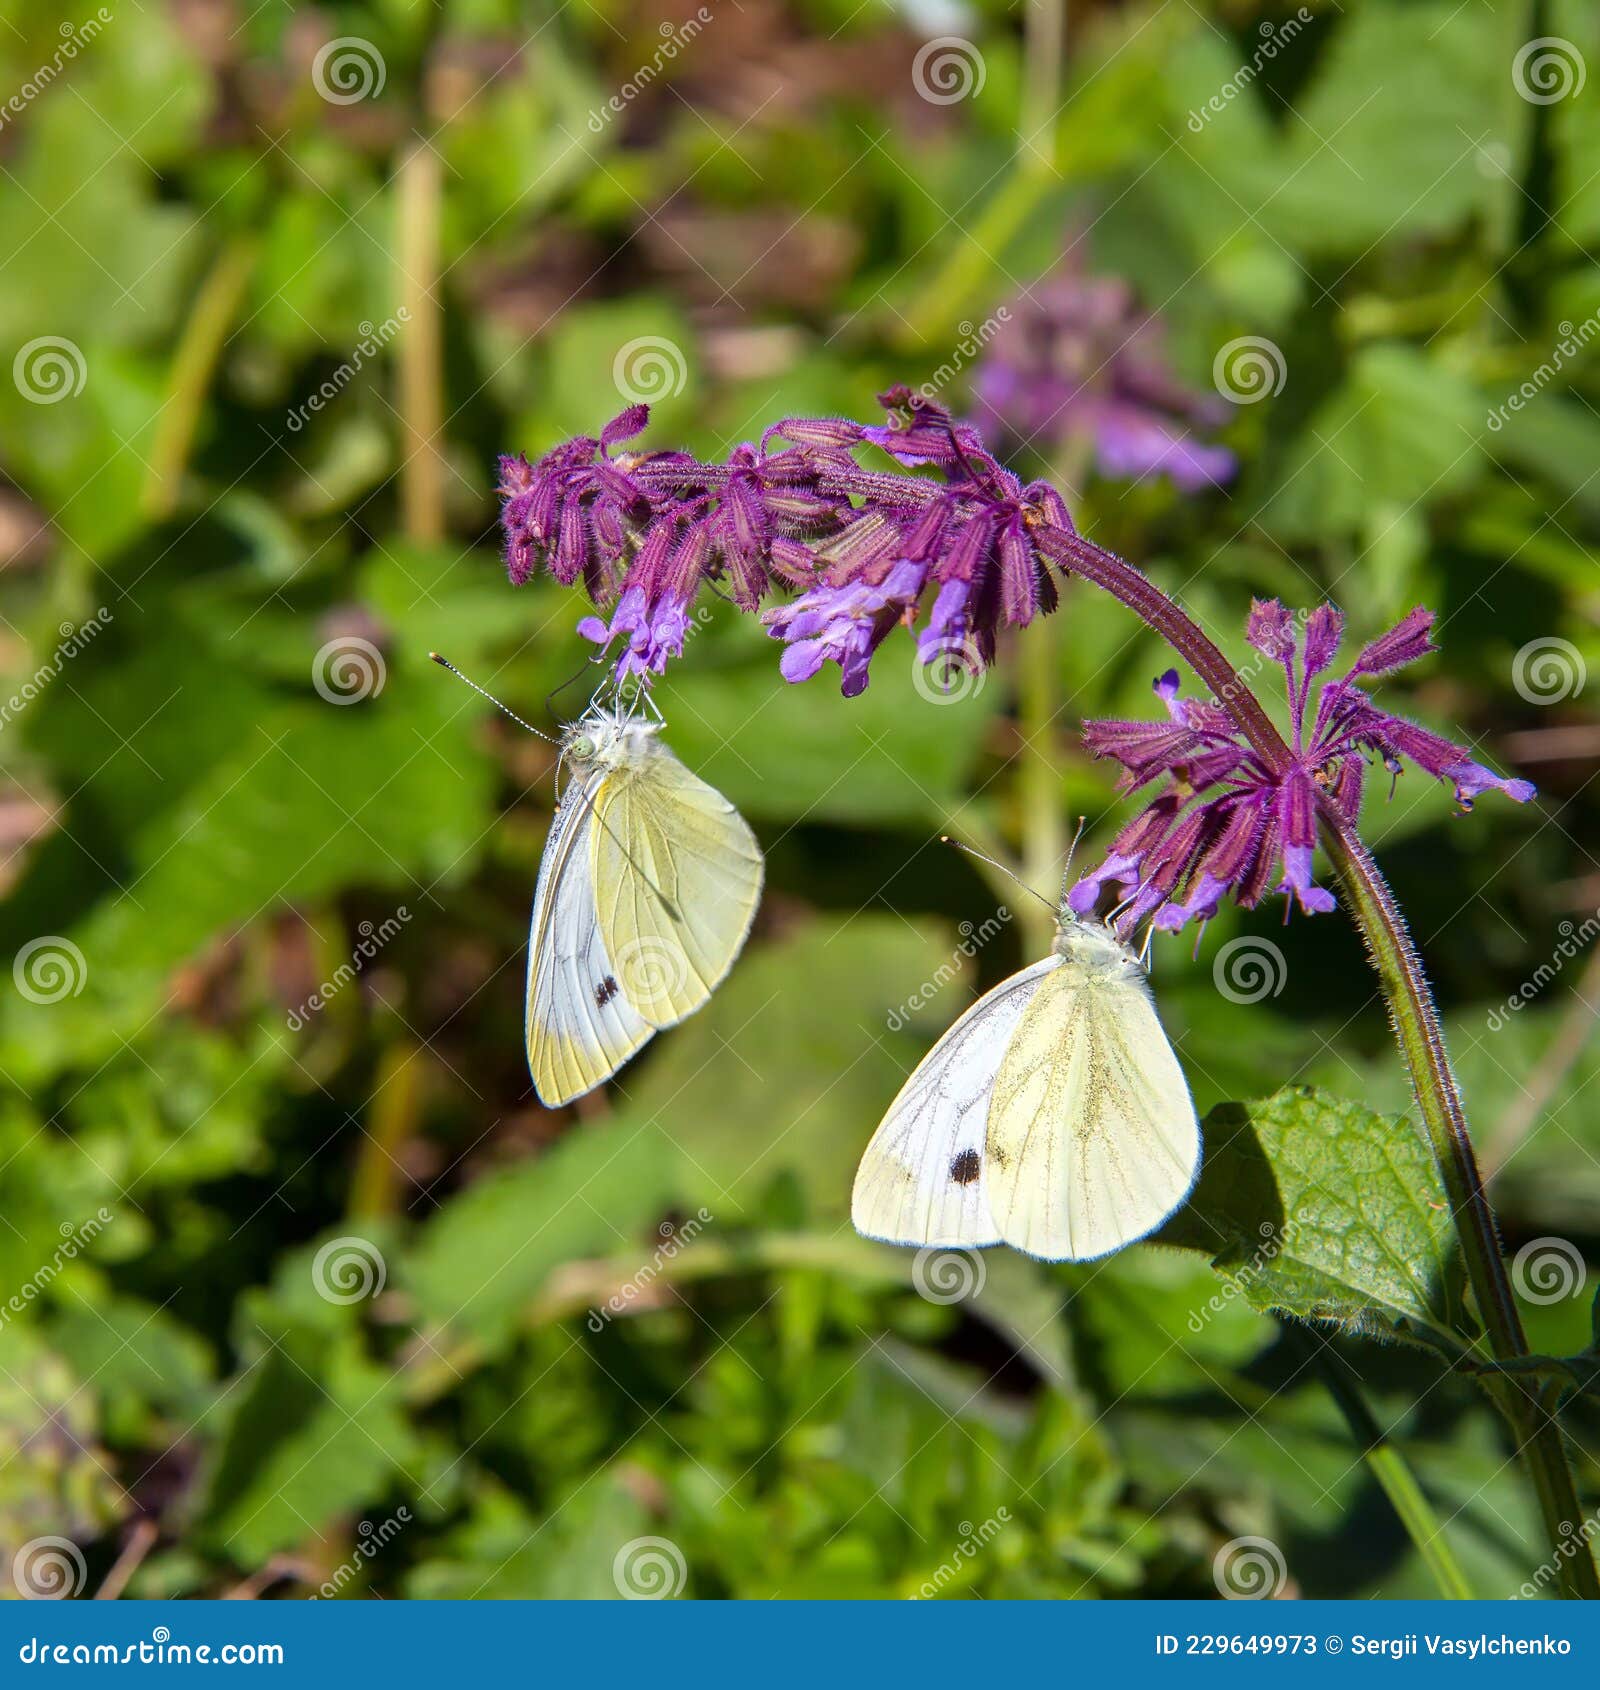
{"points": [[677, 876], [1092, 1139], [923, 1179], [580, 1026]]}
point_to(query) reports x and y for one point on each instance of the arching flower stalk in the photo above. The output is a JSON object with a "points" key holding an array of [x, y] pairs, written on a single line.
{"points": [[948, 537]]}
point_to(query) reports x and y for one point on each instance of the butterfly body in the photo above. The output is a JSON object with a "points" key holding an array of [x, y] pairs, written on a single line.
{"points": [[1053, 1116], [647, 889]]}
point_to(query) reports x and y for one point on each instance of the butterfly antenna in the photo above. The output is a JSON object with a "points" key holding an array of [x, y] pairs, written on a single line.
{"points": [[1072, 850], [571, 681], [445, 663], [994, 862]]}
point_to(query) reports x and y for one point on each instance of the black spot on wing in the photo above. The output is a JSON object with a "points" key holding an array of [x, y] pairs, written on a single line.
{"points": [[605, 992], [966, 1167]]}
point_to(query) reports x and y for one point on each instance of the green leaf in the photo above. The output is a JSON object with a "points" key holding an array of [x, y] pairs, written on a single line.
{"points": [[1400, 430], [792, 752], [490, 1250], [787, 1070], [600, 1535], [1564, 61], [316, 1433], [1316, 1207], [1335, 182]]}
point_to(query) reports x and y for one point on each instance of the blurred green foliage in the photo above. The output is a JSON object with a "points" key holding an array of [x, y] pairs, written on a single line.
{"points": [[264, 343]]}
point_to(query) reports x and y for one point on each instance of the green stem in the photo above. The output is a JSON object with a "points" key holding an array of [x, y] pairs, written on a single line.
{"points": [[1421, 1040], [193, 364], [1410, 1502], [421, 355], [392, 1121], [1416, 1026], [1044, 58], [1389, 1467]]}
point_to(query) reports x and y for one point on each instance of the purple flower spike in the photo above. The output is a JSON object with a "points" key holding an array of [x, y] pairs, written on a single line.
{"points": [[865, 549], [1228, 825]]}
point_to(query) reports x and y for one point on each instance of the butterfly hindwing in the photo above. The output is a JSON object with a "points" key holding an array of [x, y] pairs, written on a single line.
{"points": [[677, 876], [1092, 1139], [581, 1027], [924, 1179]]}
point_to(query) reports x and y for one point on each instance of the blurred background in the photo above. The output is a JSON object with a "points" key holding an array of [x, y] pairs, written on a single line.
{"points": [[305, 1294]]}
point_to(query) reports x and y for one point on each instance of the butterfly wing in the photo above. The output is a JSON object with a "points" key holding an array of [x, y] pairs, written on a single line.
{"points": [[677, 875], [924, 1177], [1092, 1139], [580, 1026]]}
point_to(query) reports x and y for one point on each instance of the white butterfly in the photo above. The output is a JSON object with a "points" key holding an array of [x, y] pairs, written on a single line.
{"points": [[648, 886], [1053, 1116], [647, 889]]}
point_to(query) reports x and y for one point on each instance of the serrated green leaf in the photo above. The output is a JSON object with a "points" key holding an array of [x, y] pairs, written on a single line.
{"points": [[1313, 1206]]}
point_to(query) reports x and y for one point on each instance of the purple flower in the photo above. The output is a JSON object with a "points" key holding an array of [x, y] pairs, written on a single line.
{"points": [[863, 548], [654, 632], [1226, 823], [843, 625], [1076, 358], [646, 530], [970, 541]]}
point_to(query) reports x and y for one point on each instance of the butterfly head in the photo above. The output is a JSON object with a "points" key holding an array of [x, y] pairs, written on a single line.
{"points": [[605, 740], [1091, 944]]}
